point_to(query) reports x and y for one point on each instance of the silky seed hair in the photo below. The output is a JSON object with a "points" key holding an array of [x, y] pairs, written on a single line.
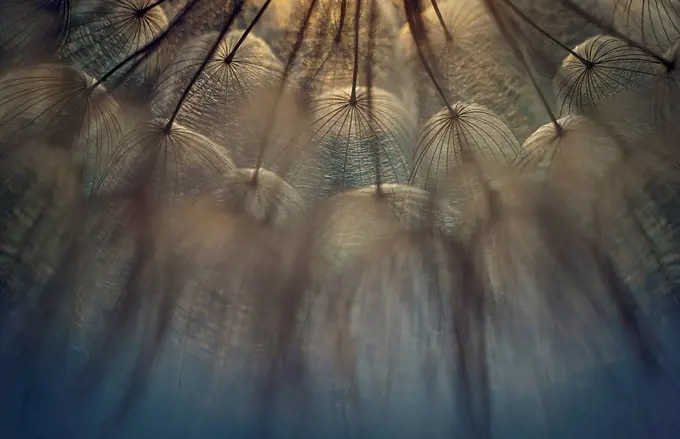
{"points": [[32, 31]]}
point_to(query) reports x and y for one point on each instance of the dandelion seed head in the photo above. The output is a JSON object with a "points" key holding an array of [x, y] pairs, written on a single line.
{"points": [[60, 104], [230, 290], [104, 34], [612, 66], [573, 162], [36, 99], [448, 138], [347, 138], [176, 162], [543, 150], [654, 23]]}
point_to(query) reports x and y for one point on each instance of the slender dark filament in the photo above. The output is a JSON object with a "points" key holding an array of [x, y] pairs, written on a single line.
{"points": [[447, 33], [355, 72], [284, 77], [518, 48], [546, 34], [151, 6], [250, 27], [670, 65], [417, 29], [225, 28], [343, 12], [148, 48], [369, 88]]}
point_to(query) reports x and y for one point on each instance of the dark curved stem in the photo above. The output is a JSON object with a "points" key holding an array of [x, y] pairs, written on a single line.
{"points": [[355, 71], [225, 28], [669, 64], [369, 89], [250, 27], [149, 7], [147, 49], [469, 317], [447, 33], [546, 34], [341, 25], [284, 77], [512, 40], [417, 29]]}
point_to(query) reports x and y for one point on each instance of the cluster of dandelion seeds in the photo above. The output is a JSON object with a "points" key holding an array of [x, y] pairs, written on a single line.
{"points": [[325, 218]]}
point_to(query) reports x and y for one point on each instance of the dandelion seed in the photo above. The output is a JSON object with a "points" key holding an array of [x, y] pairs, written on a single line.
{"points": [[607, 66], [574, 159], [62, 107], [175, 162], [343, 137], [105, 33], [448, 138], [602, 181], [156, 166], [243, 266]]}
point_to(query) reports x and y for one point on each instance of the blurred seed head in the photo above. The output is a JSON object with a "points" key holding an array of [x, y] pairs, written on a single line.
{"points": [[59, 105], [350, 222], [170, 161], [262, 195], [574, 160]]}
